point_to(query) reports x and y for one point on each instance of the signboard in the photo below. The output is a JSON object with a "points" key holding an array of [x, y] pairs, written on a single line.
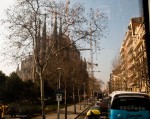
{"points": [[58, 97], [59, 91]]}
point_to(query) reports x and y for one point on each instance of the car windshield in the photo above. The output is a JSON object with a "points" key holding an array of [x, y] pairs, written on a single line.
{"points": [[131, 103]]}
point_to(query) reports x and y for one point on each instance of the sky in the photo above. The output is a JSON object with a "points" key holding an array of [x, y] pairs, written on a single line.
{"points": [[5, 67], [119, 13]]}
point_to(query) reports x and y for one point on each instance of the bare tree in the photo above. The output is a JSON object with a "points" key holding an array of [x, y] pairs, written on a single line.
{"points": [[30, 32], [116, 62]]}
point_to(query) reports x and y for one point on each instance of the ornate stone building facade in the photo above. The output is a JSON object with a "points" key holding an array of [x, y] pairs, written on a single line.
{"points": [[25, 70], [133, 73], [46, 45]]}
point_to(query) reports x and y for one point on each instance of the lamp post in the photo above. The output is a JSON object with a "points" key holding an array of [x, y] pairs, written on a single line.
{"points": [[59, 96]]}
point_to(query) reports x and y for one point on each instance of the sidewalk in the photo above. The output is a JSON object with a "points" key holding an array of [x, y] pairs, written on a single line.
{"points": [[70, 112]]}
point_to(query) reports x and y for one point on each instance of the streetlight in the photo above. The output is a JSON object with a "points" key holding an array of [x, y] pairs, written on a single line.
{"points": [[59, 96]]}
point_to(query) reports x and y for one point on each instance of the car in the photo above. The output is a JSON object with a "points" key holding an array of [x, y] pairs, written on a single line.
{"points": [[97, 103], [94, 112], [104, 104]]}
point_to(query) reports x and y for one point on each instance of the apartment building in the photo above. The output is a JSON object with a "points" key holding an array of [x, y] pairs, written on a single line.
{"points": [[133, 66]]}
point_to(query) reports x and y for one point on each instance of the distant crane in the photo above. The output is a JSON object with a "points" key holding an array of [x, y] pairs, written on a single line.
{"points": [[67, 9], [67, 4], [90, 64]]}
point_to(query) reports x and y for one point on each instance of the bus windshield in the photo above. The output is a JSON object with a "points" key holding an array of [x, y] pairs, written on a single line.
{"points": [[131, 103]]}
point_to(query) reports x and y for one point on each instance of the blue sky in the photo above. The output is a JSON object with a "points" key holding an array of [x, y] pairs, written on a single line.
{"points": [[119, 12]]}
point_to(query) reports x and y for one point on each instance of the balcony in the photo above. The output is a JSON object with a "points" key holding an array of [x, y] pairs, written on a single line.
{"points": [[131, 75], [130, 57], [138, 43], [122, 55], [131, 66]]}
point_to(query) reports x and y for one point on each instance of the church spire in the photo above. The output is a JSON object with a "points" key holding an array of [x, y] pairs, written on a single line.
{"points": [[60, 28], [55, 28]]}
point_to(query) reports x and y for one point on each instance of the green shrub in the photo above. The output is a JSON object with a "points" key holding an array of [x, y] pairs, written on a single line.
{"points": [[25, 109]]}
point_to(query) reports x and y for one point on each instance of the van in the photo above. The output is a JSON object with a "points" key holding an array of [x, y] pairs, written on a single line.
{"points": [[129, 105]]}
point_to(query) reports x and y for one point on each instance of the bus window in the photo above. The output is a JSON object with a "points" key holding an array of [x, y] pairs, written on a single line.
{"points": [[131, 103]]}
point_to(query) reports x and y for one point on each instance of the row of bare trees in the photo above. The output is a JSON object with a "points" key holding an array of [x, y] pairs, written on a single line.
{"points": [[30, 24], [121, 74]]}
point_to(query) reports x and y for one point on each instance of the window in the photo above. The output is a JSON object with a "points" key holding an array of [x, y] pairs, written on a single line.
{"points": [[131, 103]]}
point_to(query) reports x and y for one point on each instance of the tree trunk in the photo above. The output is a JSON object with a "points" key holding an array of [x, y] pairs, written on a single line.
{"points": [[65, 101], [79, 98], [74, 101], [42, 95]]}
